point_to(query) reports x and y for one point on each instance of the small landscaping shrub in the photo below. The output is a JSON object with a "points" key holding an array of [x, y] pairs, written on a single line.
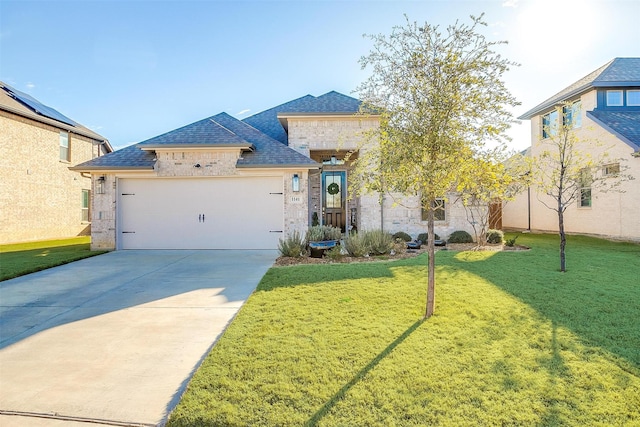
{"points": [[460, 236], [423, 237], [319, 233], [355, 245], [334, 253], [511, 242], [292, 246], [400, 246], [402, 235], [495, 236], [379, 242]]}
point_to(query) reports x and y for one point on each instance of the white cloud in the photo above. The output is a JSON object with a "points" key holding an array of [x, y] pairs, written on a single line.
{"points": [[243, 112], [30, 85], [510, 3]]}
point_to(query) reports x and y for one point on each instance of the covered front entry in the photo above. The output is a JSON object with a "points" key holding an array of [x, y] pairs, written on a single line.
{"points": [[334, 199], [200, 213]]}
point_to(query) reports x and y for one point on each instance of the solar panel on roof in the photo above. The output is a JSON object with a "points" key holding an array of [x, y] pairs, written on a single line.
{"points": [[38, 107]]}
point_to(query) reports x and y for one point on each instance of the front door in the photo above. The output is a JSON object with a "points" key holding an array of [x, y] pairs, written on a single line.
{"points": [[334, 199]]}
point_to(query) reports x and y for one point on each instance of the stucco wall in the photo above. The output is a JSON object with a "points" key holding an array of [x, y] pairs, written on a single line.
{"points": [[40, 198], [613, 214]]}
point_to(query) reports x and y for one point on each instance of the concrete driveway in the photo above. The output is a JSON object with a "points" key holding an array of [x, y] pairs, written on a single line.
{"points": [[114, 339]]}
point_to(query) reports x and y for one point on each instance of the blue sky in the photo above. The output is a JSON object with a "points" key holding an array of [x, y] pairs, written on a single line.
{"points": [[131, 70]]}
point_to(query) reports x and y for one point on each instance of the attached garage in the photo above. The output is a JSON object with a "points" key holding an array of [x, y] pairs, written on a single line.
{"points": [[200, 213]]}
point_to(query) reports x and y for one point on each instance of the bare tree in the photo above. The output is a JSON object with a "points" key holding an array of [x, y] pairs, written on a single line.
{"points": [[567, 171]]}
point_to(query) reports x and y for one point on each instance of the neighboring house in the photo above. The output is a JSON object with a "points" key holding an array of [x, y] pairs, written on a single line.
{"points": [[40, 198], [222, 183], [606, 109]]}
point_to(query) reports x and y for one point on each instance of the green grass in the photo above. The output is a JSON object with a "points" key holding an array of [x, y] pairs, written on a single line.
{"points": [[513, 342], [23, 258]]}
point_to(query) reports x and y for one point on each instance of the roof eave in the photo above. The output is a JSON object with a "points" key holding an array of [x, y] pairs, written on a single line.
{"points": [[553, 102], [51, 122], [81, 168], [153, 147], [276, 166]]}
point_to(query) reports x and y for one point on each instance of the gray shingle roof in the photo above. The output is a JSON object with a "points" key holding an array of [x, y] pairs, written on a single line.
{"points": [[131, 157], [619, 72], [218, 130], [35, 110], [204, 132], [330, 103], [268, 152], [624, 124]]}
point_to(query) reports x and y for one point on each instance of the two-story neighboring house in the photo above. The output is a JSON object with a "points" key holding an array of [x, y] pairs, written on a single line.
{"points": [[224, 183], [40, 198], [606, 118]]}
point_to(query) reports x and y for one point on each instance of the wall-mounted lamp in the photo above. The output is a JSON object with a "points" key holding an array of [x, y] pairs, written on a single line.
{"points": [[100, 184], [197, 165], [295, 182]]}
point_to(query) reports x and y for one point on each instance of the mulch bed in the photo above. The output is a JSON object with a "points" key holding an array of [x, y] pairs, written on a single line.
{"points": [[284, 261]]}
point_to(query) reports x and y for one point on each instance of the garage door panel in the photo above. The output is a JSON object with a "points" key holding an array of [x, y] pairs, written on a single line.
{"points": [[214, 213]]}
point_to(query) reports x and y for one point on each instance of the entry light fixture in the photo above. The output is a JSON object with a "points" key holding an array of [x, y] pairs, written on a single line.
{"points": [[295, 182], [100, 184]]}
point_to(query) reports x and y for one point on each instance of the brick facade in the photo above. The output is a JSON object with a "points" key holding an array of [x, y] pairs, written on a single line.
{"points": [[40, 198]]}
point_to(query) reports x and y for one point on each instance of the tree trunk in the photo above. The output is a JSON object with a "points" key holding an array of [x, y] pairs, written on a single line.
{"points": [[563, 239], [431, 285]]}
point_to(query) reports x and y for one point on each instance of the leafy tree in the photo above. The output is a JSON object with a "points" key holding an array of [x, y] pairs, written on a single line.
{"points": [[440, 98], [566, 169], [495, 180]]}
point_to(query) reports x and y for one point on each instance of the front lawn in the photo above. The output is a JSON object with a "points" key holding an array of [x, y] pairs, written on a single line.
{"points": [[513, 342], [23, 258]]}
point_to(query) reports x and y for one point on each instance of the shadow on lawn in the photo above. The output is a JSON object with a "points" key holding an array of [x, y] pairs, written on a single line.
{"points": [[324, 410], [597, 299]]}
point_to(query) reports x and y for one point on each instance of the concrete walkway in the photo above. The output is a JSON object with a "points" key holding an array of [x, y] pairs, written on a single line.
{"points": [[114, 339]]}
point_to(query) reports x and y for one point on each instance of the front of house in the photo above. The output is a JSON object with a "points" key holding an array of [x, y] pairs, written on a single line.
{"points": [[606, 119], [222, 183]]}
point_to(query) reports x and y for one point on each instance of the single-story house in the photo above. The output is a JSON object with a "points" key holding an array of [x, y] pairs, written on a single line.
{"points": [[40, 198], [224, 183], [604, 109]]}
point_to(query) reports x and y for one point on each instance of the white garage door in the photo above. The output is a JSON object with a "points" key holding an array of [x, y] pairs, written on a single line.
{"points": [[200, 213]]}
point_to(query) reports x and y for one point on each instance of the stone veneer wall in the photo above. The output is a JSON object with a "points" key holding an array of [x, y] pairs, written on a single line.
{"points": [[40, 198], [182, 163]]}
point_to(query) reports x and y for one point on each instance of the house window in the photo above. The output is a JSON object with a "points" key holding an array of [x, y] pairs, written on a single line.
{"points": [[572, 115], [85, 205], [550, 124], [439, 213], [633, 98], [614, 98], [585, 188], [64, 146], [611, 169]]}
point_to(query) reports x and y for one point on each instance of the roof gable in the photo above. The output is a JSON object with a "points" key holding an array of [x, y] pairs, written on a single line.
{"points": [[619, 72], [330, 103], [203, 133], [221, 130]]}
